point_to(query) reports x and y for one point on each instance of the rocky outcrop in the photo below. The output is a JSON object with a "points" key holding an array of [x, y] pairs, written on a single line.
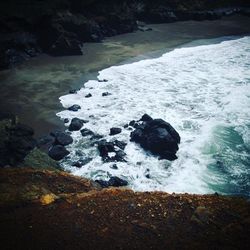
{"points": [[157, 136], [16, 141], [60, 28]]}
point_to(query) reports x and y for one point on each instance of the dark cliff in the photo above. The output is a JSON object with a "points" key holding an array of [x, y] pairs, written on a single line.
{"points": [[59, 28]]}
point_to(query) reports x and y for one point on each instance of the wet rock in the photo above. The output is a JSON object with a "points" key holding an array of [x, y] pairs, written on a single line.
{"points": [[106, 94], [88, 95], [66, 120], [87, 132], [112, 182], [146, 118], [63, 139], [117, 182], [104, 80], [120, 144], [157, 136], [76, 124], [58, 152], [115, 131], [82, 162], [114, 167], [73, 91], [105, 148], [74, 108]]}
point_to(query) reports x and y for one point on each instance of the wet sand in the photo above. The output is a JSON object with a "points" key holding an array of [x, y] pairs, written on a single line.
{"points": [[31, 91]]}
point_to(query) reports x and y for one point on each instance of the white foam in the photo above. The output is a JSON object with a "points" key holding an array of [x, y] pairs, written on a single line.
{"points": [[195, 89]]}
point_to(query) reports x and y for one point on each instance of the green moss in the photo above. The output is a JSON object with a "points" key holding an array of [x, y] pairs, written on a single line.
{"points": [[38, 159]]}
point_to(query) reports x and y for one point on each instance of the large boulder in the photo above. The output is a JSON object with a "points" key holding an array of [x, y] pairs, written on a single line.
{"points": [[157, 136], [58, 152], [76, 124], [63, 139]]}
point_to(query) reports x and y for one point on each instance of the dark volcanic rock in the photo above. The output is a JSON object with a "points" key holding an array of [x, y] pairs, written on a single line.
{"points": [[115, 131], [74, 108], [120, 144], [105, 148], [87, 132], [106, 94], [76, 124], [157, 136], [16, 141], [112, 182], [58, 152], [88, 95], [63, 139], [66, 120]]}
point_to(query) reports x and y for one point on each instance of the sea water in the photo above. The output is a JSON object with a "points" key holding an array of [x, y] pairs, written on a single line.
{"points": [[203, 91]]}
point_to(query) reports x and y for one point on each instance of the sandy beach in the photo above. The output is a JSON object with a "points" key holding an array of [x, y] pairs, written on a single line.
{"points": [[36, 85]]}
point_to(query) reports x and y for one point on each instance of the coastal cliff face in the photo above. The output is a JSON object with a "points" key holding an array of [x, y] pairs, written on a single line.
{"points": [[43, 209], [60, 28]]}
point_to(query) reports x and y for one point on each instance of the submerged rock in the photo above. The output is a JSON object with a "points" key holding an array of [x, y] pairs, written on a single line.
{"points": [[74, 108], [157, 136], [87, 132], [115, 131], [112, 182], [76, 124], [88, 95], [58, 152], [106, 94]]}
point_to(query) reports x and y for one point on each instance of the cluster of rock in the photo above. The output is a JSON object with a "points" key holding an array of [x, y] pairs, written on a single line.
{"points": [[156, 136], [60, 28]]}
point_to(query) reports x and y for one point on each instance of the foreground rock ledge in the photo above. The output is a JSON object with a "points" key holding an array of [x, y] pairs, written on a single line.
{"points": [[55, 210]]}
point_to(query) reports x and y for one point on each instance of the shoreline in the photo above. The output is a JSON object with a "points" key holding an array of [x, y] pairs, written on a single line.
{"points": [[41, 81]]}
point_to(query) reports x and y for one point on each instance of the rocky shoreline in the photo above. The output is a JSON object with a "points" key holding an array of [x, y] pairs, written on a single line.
{"points": [[61, 29]]}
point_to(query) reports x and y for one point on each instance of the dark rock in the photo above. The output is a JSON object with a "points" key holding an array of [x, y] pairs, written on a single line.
{"points": [[117, 182], [132, 123], [105, 147], [66, 120], [73, 91], [58, 152], [63, 139], [96, 137], [119, 156], [104, 80], [77, 164], [66, 45], [115, 131], [106, 94], [88, 95], [45, 142], [87, 132], [114, 166], [82, 162], [146, 118], [120, 144], [76, 124], [147, 176], [126, 126], [157, 136], [112, 182], [74, 108], [54, 133]]}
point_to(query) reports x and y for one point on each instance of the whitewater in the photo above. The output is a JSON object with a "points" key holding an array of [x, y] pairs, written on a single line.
{"points": [[202, 91]]}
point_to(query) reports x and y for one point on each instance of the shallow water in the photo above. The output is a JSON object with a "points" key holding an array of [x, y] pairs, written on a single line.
{"points": [[203, 91]]}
